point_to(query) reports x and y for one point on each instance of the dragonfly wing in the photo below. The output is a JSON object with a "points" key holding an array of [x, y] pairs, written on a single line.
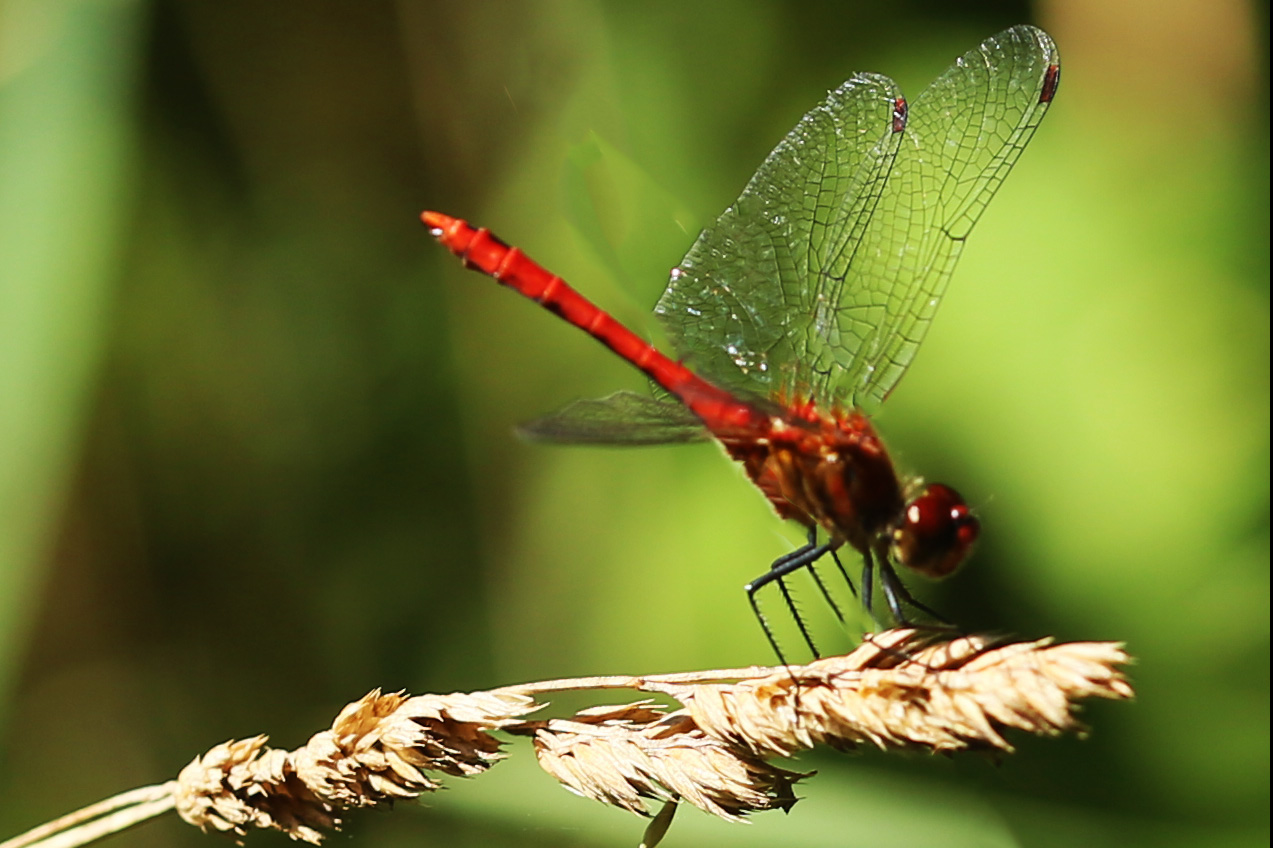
{"points": [[742, 305], [623, 418], [963, 135], [822, 278]]}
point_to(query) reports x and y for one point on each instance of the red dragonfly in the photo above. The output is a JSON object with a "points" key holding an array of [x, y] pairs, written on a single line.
{"points": [[805, 302]]}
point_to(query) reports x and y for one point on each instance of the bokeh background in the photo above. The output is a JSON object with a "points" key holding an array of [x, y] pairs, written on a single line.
{"points": [[255, 426]]}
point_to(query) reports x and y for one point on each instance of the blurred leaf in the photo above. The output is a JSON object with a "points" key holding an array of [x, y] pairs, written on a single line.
{"points": [[65, 147], [624, 215]]}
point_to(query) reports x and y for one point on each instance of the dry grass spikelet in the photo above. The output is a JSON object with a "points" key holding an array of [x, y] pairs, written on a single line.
{"points": [[622, 755], [377, 750], [905, 690], [241, 785]]}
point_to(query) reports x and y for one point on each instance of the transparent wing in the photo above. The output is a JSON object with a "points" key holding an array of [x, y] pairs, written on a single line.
{"points": [[822, 279], [623, 418], [963, 135], [745, 305]]}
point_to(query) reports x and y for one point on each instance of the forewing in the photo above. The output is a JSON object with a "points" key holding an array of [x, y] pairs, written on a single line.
{"points": [[963, 135], [623, 418], [750, 303], [823, 277]]}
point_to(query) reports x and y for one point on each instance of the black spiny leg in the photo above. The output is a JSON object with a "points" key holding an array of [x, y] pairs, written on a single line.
{"points": [[822, 587], [783, 566], [898, 596], [896, 593], [795, 613], [868, 589], [835, 556]]}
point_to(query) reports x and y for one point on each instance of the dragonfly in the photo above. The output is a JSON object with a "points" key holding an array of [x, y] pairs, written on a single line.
{"points": [[797, 312]]}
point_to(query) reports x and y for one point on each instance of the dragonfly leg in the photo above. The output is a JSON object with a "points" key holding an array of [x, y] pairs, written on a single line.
{"points": [[897, 594], [836, 556], [868, 572], [784, 565], [893, 590], [822, 587], [795, 613], [764, 625]]}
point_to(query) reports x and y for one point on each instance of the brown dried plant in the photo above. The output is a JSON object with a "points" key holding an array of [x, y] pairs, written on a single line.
{"points": [[900, 689]]}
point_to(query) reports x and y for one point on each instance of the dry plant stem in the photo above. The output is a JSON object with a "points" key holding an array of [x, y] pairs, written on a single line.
{"points": [[99, 820], [900, 689], [664, 683]]}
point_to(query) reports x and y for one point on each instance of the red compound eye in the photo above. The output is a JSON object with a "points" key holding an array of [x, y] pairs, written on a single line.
{"points": [[935, 533]]}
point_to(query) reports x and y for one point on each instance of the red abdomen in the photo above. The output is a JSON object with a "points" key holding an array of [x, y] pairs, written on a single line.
{"points": [[481, 250]]}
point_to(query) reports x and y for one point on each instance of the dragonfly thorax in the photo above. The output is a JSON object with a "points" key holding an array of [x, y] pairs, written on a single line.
{"points": [[833, 472], [828, 471]]}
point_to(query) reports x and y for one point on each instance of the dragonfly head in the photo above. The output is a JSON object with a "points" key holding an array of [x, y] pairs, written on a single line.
{"points": [[935, 532]]}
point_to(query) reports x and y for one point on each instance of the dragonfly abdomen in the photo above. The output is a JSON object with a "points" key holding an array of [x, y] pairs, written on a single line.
{"points": [[481, 250]]}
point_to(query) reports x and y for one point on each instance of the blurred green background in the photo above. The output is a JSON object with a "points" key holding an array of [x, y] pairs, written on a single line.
{"points": [[255, 426]]}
